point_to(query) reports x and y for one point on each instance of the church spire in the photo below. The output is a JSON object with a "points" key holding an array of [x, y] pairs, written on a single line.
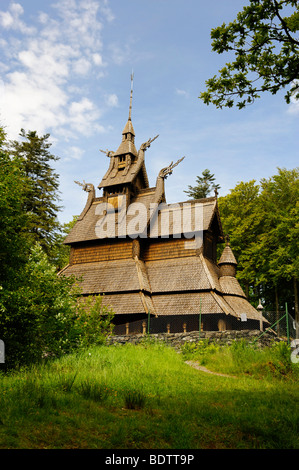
{"points": [[127, 145], [131, 97], [227, 262]]}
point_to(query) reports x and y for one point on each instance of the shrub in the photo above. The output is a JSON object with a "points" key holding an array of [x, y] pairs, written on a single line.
{"points": [[37, 312], [199, 349], [41, 317], [93, 322]]}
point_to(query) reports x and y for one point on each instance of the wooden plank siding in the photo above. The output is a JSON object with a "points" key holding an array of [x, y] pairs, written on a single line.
{"points": [[121, 249], [166, 249]]}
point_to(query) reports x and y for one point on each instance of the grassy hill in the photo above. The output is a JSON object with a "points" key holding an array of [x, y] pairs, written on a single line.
{"points": [[146, 397]]}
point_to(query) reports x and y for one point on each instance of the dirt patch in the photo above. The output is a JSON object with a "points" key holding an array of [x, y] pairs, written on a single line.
{"points": [[195, 365]]}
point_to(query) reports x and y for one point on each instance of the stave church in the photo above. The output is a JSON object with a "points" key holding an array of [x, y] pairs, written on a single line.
{"points": [[155, 263]]}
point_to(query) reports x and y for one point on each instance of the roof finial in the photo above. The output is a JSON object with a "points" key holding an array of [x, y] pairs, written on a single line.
{"points": [[227, 239], [131, 96]]}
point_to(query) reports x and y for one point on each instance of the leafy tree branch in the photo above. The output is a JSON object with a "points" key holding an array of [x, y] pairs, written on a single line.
{"points": [[266, 50]]}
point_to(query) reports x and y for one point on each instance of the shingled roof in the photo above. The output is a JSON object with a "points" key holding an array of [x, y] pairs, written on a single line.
{"points": [[227, 256], [89, 226], [164, 287]]}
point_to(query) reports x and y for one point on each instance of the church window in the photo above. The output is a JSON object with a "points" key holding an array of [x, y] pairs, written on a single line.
{"points": [[121, 162]]}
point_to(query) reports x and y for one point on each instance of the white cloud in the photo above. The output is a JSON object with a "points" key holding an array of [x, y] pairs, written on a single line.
{"points": [[182, 92], [74, 153], [17, 9], [79, 22], [11, 19], [6, 19], [43, 64], [26, 104], [107, 11], [83, 117], [119, 54], [97, 59], [112, 100], [80, 107], [81, 66]]}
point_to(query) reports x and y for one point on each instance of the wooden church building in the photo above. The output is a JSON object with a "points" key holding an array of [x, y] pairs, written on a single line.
{"points": [[152, 260]]}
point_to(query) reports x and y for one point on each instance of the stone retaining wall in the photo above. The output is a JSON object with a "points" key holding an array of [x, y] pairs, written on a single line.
{"points": [[178, 339]]}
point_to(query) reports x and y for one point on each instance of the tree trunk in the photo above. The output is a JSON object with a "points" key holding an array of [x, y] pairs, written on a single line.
{"points": [[247, 290], [296, 307]]}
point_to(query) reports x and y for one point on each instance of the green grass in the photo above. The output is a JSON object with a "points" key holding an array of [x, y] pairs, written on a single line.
{"points": [[146, 397]]}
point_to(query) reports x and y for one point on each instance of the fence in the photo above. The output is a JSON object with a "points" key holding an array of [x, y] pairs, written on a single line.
{"points": [[283, 324], [184, 323]]}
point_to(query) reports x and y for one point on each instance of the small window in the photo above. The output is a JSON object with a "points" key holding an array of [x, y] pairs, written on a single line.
{"points": [[121, 162]]}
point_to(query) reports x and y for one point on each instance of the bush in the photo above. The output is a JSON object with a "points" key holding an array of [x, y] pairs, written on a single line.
{"points": [[93, 322], [40, 316], [242, 358], [199, 350], [38, 312]]}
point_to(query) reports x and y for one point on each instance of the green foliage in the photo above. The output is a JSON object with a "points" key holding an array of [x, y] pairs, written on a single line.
{"points": [[266, 54], [279, 242], [92, 322], [38, 312], [199, 349], [40, 316], [262, 221], [59, 254], [13, 237], [41, 197], [243, 358], [242, 220], [205, 184]]}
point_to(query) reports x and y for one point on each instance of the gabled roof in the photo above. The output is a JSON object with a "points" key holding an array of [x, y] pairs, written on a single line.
{"points": [[189, 216], [89, 226], [128, 175], [230, 285], [87, 229]]}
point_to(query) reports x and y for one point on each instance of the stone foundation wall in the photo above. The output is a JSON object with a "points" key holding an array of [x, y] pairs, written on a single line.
{"points": [[178, 339]]}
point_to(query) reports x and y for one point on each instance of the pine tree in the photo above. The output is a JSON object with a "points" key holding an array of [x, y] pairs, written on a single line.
{"points": [[42, 195], [205, 185], [13, 239]]}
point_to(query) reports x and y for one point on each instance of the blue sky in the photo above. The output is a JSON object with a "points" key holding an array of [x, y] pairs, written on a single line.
{"points": [[65, 70]]}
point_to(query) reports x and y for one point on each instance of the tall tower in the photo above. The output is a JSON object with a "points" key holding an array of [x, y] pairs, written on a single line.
{"points": [[126, 173]]}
